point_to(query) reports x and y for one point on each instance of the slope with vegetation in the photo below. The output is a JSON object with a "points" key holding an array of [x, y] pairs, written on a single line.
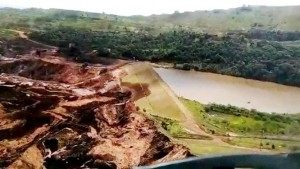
{"points": [[247, 128], [242, 18], [215, 21], [231, 54]]}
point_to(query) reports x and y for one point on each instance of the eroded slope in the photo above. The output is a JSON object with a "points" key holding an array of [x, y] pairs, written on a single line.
{"points": [[60, 114]]}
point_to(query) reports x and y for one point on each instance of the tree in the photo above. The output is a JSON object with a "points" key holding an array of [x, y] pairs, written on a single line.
{"points": [[273, 146]]}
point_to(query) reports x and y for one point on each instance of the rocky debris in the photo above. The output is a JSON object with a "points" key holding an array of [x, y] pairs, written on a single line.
{"points": [[31, 158], [53, 114]]}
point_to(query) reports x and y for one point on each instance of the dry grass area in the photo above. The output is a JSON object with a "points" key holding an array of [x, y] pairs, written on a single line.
{"points": [[204, 148], [161, 101]]}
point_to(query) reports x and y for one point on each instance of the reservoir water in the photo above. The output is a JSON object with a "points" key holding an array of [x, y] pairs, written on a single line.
{"points": [[221, 89]]}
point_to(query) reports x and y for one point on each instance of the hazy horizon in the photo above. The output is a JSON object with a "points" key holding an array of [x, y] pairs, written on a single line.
{"points": [[138, 7]]}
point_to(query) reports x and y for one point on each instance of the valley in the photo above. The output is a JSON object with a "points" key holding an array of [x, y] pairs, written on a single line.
{"points": [[95, 90]]}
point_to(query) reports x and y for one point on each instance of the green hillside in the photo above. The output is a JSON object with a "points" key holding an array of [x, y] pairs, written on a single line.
{"points": [[247, 128], [243, 18], [215, 21], [236, 55]]}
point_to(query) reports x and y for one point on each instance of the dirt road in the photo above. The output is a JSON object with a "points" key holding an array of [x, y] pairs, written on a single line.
{"points": [[24, 36]]}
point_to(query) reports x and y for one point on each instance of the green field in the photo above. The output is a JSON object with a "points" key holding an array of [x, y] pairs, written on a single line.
{"points": [[267, 128], [204, 120], [204, 148], [269, 144], [7, 34], [221, 119], [176, 129]]}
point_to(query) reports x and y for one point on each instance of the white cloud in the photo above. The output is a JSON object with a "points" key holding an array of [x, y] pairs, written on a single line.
{"points": [[142, 7]]}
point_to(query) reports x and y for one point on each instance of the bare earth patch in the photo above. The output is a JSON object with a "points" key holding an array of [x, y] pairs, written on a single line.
{"points": [[57, 114]]}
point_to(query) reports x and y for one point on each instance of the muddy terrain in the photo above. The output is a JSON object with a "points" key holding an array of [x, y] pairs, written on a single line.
{"points": [[57, 113]]}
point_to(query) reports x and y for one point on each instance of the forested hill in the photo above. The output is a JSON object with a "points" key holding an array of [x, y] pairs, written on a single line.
{"points": [[260, 43], [215, 21], [243, 18]]}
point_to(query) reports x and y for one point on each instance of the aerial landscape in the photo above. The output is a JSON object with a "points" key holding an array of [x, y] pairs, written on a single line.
{"points": [[94, 90]]}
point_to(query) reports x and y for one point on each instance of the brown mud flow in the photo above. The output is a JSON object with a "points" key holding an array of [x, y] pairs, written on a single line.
{"points": [[57, 114], [138, 90]]}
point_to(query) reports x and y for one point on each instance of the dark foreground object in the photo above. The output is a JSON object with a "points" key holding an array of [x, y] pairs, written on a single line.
{"points": [[290, 161]]}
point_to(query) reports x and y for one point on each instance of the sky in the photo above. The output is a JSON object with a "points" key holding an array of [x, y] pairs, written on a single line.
{"points": [[142, 7]]}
